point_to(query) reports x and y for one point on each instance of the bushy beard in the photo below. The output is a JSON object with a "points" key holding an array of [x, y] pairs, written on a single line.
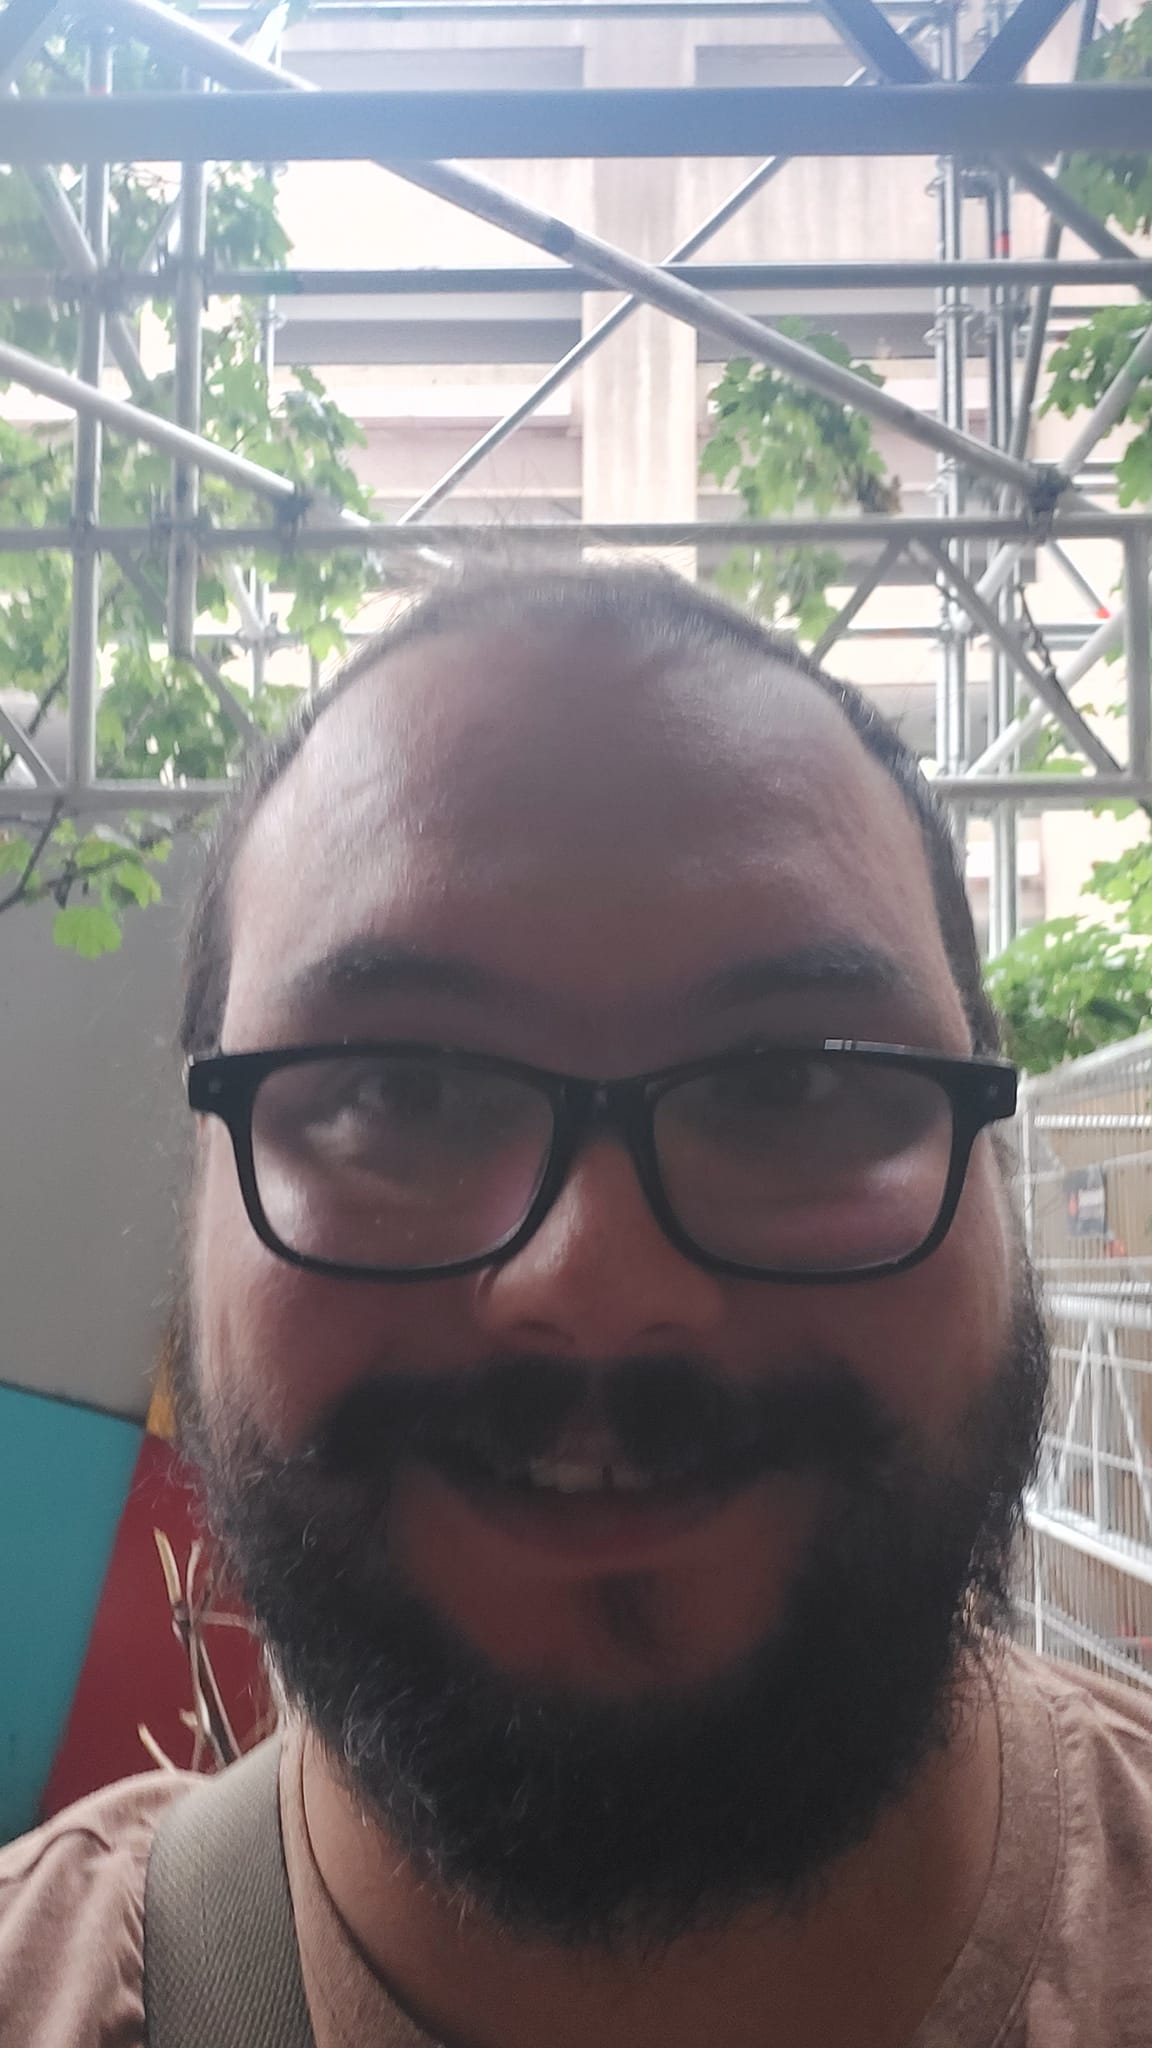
{"points": [[585, 1820]]}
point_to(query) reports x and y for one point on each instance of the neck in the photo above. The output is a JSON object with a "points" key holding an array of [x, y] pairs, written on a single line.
{"points": [[858, 1966]]}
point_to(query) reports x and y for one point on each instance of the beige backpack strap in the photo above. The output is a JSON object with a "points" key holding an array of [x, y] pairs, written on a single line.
{"points": [[221, 1965]]}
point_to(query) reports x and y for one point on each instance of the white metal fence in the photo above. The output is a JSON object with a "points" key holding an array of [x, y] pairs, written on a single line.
{"points": [[1085, 1134]]}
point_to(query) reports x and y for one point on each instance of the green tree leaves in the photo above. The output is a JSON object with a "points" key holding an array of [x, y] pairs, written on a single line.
{"points": [[1085, 365], [87, 929], [788, 451], [1068, 987], [157, 717], [1127, 882], [1118, 188]]}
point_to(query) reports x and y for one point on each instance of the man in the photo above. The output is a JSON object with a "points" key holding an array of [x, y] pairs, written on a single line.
{"points": [[615, 1376]]}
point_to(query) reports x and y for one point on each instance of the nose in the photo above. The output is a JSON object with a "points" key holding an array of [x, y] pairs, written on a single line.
{"points": [[599, 1278]]}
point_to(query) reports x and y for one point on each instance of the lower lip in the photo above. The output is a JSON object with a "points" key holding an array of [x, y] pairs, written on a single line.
{"points": [[603, 1528]]}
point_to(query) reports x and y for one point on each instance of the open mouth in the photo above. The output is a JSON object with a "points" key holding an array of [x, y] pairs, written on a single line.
{"points": [[579, 1512], [587, 1501], [575, 1475]]}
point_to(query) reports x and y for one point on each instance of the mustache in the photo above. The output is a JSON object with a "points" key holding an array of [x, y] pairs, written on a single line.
{"points": [[669, 1415]]}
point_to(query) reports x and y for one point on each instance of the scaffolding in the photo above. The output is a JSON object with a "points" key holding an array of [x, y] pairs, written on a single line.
{"points": [[1085, 1134], [996, 506]]}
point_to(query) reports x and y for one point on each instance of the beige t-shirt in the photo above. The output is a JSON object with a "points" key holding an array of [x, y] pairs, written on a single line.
{"points": [[1060, 1955]]}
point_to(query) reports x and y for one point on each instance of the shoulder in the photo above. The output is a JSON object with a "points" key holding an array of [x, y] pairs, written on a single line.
{"points": [[1099, 1762], [1102, 1727], [71, 1919]]}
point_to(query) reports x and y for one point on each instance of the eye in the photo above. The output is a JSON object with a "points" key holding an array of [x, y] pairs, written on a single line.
{"points": [[772, 1085], [755, 1104], [789, 1083], [401, 1113], [413, 1093], [402, 1102]]}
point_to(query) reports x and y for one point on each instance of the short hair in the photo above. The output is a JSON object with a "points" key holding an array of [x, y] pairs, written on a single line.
{"points": [[654, 612]]}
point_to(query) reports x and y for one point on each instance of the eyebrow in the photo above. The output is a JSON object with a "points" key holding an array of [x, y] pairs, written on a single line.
{"points": [[366, 968], [834, 964]]}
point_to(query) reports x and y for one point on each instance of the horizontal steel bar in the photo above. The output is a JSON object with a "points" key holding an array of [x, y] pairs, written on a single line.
{"points": [[1043, 792], [1111, 1550], [1056, 1626], [561, 10], [1133, 1056], [381, 537], [1087, 525], [96, 798], [1117, 1122], [734, 277], [413, 127], [526, 279], [1126, 1305], [1070, 1448]]}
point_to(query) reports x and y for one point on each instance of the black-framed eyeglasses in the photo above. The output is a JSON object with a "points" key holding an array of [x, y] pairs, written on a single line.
{"points": [[839, 1160], [408, 1162]]}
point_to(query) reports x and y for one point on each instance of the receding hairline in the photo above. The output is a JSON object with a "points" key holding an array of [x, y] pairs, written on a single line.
{"points": [[663, 619], [660, 614], [639, 602], [549, 652]]}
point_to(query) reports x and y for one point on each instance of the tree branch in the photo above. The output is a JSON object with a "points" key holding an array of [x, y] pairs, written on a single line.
{"points": [[17, 894]]}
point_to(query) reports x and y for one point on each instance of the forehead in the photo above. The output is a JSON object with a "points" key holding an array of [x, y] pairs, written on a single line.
{"points": [[584, 816]]}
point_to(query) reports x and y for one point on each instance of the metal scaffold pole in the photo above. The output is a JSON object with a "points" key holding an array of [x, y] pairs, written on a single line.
{"points": [[950, 336], [417, 126], [317, 534], [533, 280], [1003, 874], [1042, 302], [84, 641], [1138, 653], [89, 403], [183, 560]]}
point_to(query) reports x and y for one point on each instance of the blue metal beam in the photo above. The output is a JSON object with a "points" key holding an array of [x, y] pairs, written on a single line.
{"points": [[527, 280], [415, 127]]}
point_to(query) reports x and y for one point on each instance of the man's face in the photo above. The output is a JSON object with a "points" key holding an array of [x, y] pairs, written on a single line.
{"points": [[597, 864]]}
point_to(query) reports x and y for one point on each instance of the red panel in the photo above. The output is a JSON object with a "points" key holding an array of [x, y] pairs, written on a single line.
{"points": [[135, 1669]]}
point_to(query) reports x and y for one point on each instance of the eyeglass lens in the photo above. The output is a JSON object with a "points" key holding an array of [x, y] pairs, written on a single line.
{"points": [[806, 1165], [788, 1164], [399, 1160]]}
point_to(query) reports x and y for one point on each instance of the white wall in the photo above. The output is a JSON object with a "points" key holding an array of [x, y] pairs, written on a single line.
{"points": [[91, 1136]]}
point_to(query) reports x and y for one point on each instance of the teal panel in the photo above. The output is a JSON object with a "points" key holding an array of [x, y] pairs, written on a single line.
{"points": [[64, 1476]]}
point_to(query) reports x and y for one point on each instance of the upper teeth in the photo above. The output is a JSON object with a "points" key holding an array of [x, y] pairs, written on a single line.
{"points": [[558, 1476]]}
